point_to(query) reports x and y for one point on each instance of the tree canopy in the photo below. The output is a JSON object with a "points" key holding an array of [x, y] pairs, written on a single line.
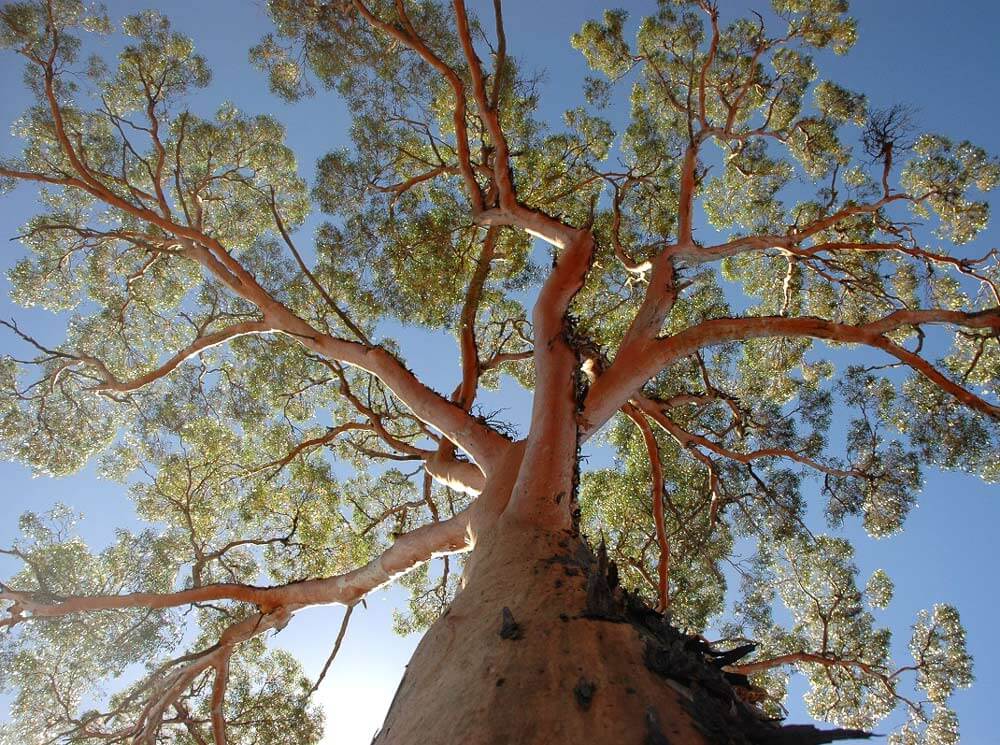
{"points": [[240, 375]]}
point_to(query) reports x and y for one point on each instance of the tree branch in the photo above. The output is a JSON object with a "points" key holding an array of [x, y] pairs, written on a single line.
{"points": [[637, 364], [656, 496], [199, 345]]}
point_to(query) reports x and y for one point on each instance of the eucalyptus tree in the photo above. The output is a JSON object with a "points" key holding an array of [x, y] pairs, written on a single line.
{"points": [[220, 368]]}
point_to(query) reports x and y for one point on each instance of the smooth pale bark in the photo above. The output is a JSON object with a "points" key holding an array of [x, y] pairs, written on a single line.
{"points": [[453, 535], [544, 488], [640, 361], [538, 647], [560, 678], [459, 475]]}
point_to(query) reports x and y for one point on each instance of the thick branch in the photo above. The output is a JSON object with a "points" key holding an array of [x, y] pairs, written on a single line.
{"points": [[471, 367], [637, 364], [478, 439], [550, 460], [409, 550], [407, 35]]}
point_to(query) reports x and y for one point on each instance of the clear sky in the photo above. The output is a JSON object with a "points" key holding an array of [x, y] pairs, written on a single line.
{"points": [[941, 59]]}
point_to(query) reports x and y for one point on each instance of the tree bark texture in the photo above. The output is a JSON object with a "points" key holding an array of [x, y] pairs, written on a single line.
{"points": [[540, 671], [541, 645]]}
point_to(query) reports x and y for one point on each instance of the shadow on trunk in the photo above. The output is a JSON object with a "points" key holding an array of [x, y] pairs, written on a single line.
{"points": [[542, 645]]}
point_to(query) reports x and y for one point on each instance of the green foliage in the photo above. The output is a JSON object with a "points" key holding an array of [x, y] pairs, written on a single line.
{"points": [[852, 674], [259, 461], [947, 172], [60, 663], [616, 505], [429, 596]]}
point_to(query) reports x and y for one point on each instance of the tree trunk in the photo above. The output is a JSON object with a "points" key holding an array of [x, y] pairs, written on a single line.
{"points": [[541, 646]]}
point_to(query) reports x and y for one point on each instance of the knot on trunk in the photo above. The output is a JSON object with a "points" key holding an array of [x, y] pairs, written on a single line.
{"points": [[605, 598], [509, 628], [584, 692]]}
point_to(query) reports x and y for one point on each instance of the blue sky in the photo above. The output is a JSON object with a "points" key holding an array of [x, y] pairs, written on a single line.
{"points": [[944, 63]]}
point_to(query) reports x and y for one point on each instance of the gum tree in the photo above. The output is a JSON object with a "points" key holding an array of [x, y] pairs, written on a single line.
{"points": [[219, 361]]}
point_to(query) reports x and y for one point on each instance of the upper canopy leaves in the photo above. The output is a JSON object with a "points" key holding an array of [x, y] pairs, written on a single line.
{"points": [[242, 384]]}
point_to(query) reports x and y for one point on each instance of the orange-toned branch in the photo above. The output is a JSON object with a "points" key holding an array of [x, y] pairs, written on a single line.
{"points": [[657, 496], [219, 699], [789, 245], [478, 439], [471, 366], [344, 318], [113, 384], [550, 459], [408, 551], [687, 439], [406, 34], [640, 362]]}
